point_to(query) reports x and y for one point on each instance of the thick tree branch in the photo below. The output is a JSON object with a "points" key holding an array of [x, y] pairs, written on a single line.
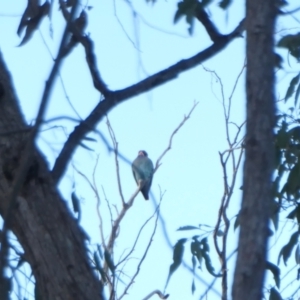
{"points": [[259, 151], [27, 154], [114, 98], [42, 222], [88, 45], [210, 27]]}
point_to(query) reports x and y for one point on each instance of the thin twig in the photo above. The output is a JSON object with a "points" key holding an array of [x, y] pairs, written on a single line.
{"points": [[28, 155], [108, 206], [143, 257], [117, 222], [94, 189], [225, 157], [114, 98], [158, 293], [60, 77], [137, 237], [115, 145], [185, 118]]}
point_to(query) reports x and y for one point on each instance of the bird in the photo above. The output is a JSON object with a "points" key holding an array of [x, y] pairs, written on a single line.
{"points": [[142, 169]]}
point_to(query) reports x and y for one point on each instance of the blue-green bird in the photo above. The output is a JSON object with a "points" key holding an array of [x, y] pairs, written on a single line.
{"points": [[142, 169]]}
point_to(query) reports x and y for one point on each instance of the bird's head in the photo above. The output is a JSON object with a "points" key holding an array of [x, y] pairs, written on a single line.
{"points": [[143, 153]]}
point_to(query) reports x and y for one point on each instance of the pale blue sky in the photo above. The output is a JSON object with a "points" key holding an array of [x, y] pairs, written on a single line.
{"points": [[127, 51]]}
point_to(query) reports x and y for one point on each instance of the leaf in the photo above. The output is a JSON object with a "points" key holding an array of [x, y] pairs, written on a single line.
{"points": [[236, 222], [205, 246], [177, 257], [297, 94], [86, 147], [286, 250], [196, 250], [295, 214], [297, 255], [275, 209], [21, 261], [100, 251], [278, 61], [282, 137], [289, 41], [293, 183], [220, 233], [187, 227], [207, 226], [81, 21], [205, 251], [76, 205], [186, 8], [109, 261], [276, 272], [205, 3], [294, 134], [292, 87], [99, 267], [193, 286], [292, 214], [30, 12], [89, 139], [274, 295], [292, 43], [225, 3], [70, 3], [34, 22], [194, 262], [75, 202], [97, 261]]}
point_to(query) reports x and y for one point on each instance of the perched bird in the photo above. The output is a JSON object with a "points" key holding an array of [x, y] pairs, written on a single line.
{"points": [[142, 169]]}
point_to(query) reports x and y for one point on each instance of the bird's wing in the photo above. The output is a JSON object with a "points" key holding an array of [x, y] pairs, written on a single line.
{"points": [[134, 172], [148, 170], [138, 169]]}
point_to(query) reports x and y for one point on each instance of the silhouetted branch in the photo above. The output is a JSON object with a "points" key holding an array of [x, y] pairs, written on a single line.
{"points": [[93, 186], [115, 145], [157, 165], [158, 293], [137, 237], [28, 153], [117, 222], [88, 45], [227, 160], [210, 27], [143, 257], [114, 98]]}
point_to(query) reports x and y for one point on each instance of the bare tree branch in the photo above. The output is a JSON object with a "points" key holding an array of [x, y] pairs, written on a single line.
{"points": [[115, 145], [94, 188], [158, 293], [143, 257], [137, 237], [185, 118], [210, 27], [114, 98], [227, 157]]}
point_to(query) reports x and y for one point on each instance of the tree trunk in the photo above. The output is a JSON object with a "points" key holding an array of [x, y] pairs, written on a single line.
{"points": [[257, 196], [52, 240]]}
